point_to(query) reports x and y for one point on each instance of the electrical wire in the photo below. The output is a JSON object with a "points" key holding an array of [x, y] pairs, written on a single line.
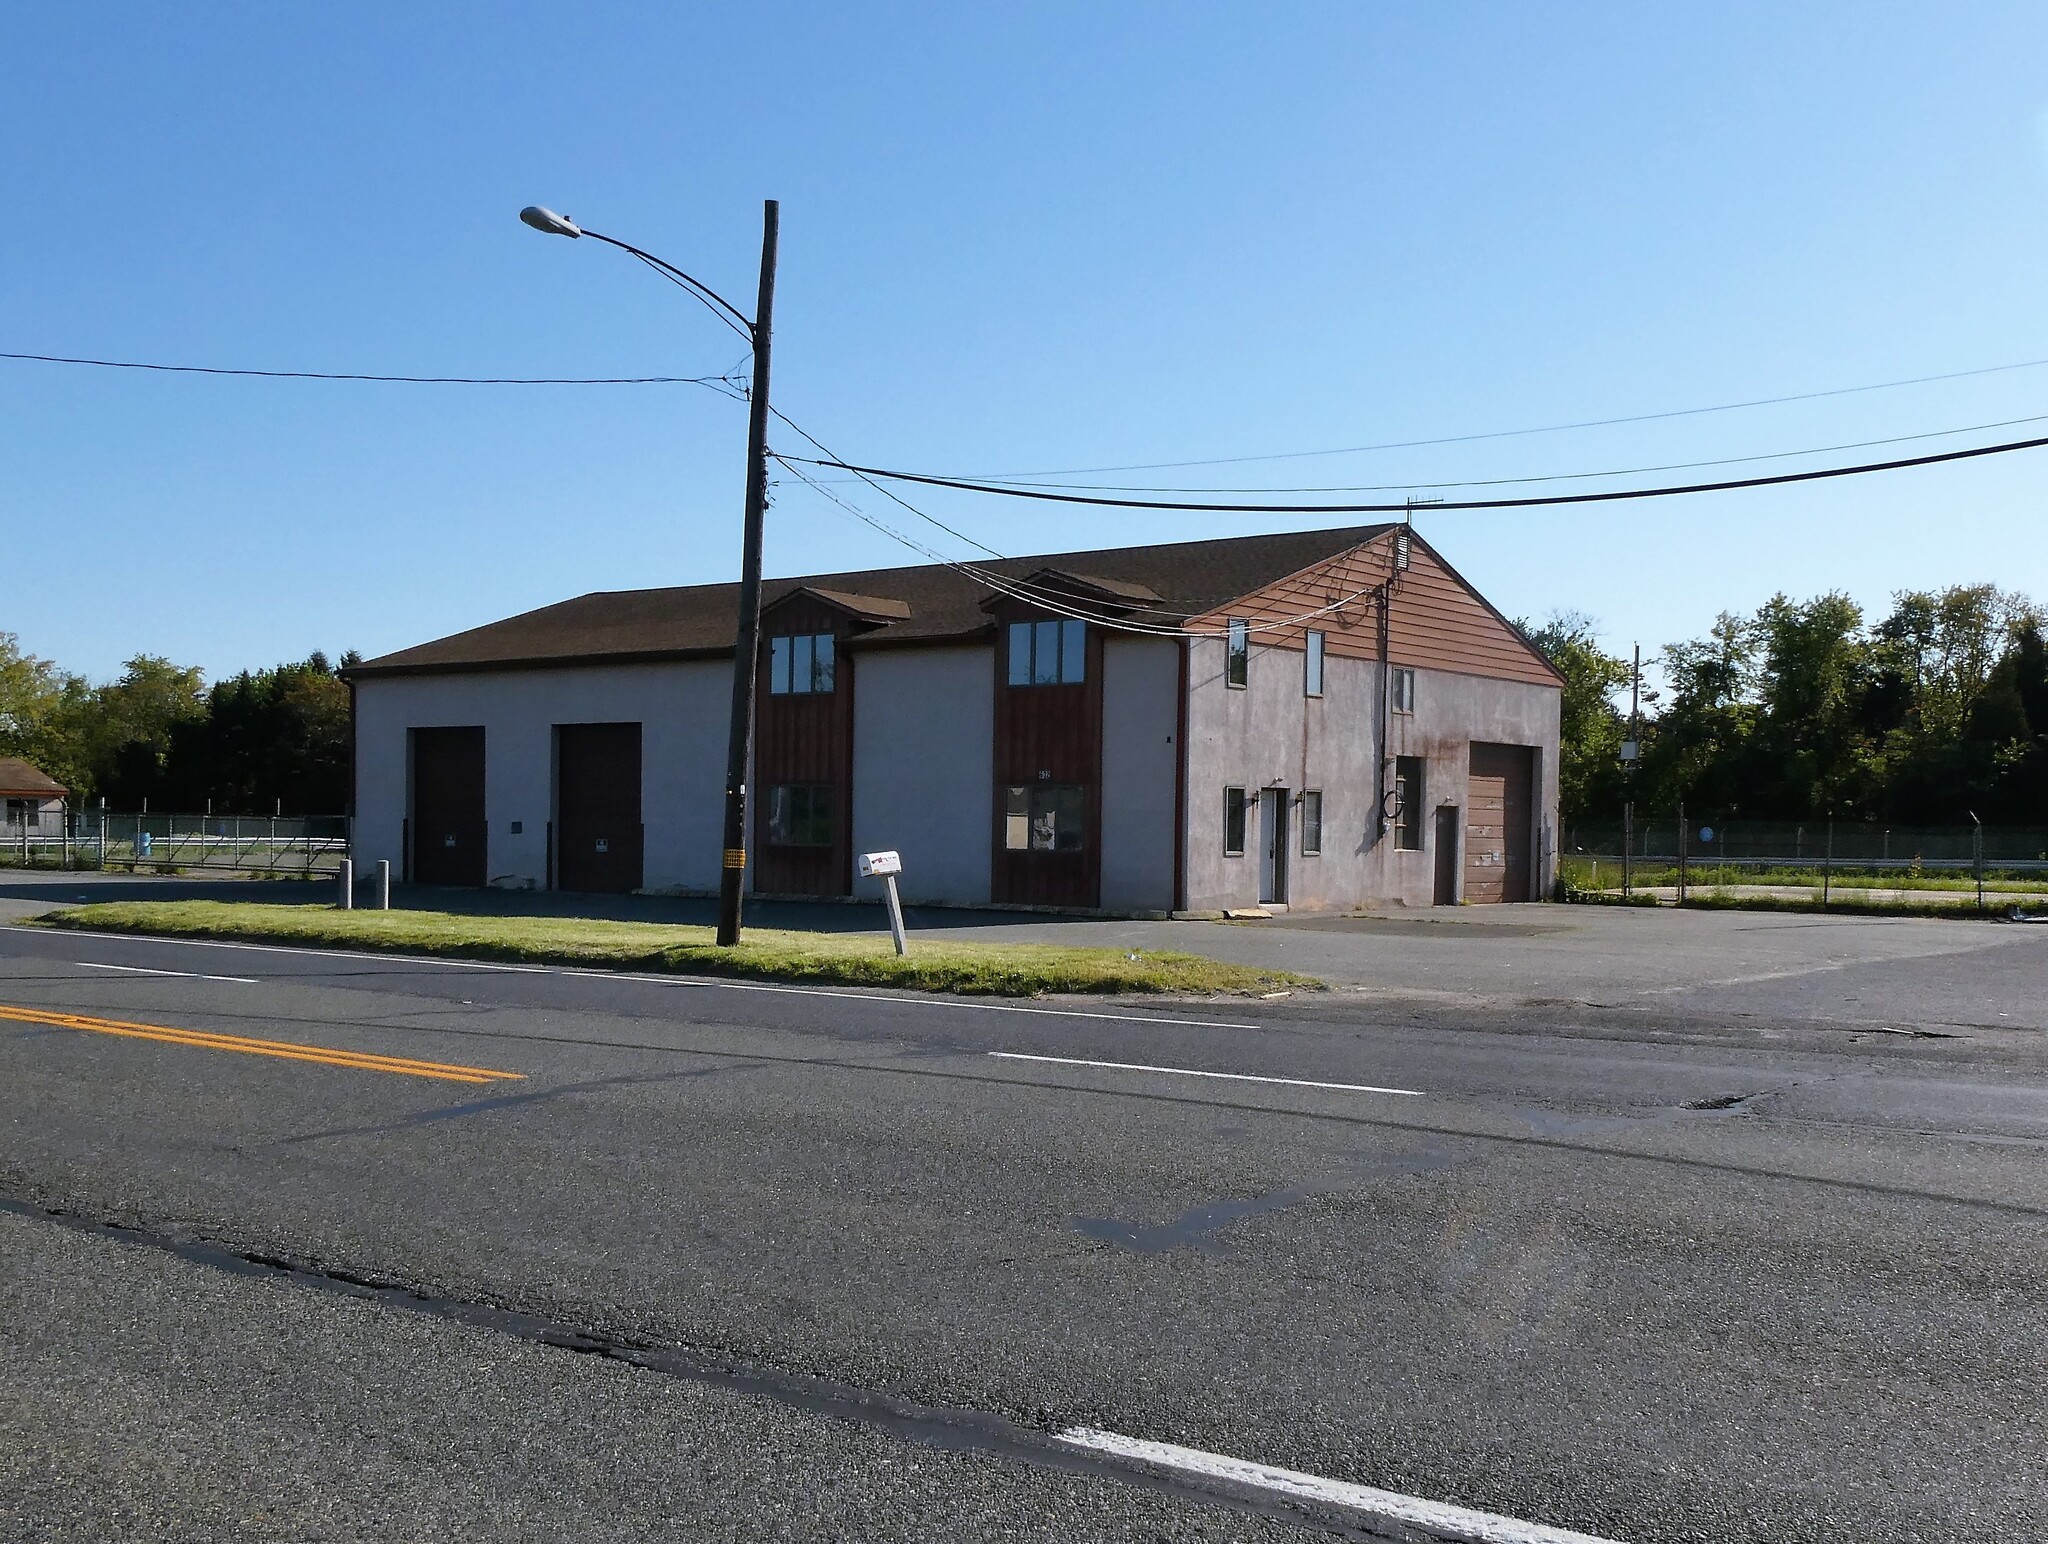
{"points": [[413, 380], [1506, 434], [1500, 482], [1777, 479], [1061, 605]]}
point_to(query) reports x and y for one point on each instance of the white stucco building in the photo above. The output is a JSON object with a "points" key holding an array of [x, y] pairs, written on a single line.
{"points": [[1321, 719]]}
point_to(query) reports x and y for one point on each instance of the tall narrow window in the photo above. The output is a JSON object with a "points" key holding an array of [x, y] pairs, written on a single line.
{"points": [[1312, 821], [800, 664], [1408, 800], [1403, 689], [1233, 821], [1312, 668], [1237, 667]]}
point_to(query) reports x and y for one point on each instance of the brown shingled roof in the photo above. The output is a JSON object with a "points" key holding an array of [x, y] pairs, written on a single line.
{"points": [[693, 621], [19, 780]]}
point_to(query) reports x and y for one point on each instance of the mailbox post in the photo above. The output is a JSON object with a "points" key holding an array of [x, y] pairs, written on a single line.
{"points": [[885, 866]]}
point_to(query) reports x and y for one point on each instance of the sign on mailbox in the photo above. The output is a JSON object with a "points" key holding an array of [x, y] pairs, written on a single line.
{"points": [[873, 865]]}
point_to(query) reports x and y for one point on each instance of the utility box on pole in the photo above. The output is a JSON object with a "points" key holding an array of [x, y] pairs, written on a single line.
{"points": [[885, 866]]}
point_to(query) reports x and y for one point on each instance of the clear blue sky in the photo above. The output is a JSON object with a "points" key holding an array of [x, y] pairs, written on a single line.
{"points": [[1014, 238]]}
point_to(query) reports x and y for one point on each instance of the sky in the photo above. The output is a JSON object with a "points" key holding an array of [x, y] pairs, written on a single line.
{"points": [[1015, 239]]}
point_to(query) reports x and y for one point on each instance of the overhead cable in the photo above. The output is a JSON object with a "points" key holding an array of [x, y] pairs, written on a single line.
{"points": [[411, 380], [1501, 482], [1610, 496], [1059, 604], [1506, 434]]}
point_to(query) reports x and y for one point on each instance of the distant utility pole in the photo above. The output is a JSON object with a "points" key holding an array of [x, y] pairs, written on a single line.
{"points": [[1631, 753]]}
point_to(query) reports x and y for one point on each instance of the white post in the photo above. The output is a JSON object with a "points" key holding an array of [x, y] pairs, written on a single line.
{"points": [[895, 915], [383, 884], [348, 885]]}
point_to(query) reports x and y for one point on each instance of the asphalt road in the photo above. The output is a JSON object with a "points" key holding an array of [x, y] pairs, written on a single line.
{"points": [[713, 1260]]}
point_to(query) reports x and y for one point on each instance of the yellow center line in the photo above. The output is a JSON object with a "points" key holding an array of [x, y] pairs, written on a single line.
{"points": [[332, 1056]]}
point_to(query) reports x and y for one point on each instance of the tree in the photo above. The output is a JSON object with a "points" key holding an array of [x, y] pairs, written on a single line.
{"points": [[1697, 746], [268, 737], [128, 733], [41, 711], [1591, 728], [1808, 754]]}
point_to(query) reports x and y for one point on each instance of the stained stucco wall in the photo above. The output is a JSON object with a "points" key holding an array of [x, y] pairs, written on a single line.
{"points": [[1270, 734], [1140, 714], [682, 709], [924, 769]]}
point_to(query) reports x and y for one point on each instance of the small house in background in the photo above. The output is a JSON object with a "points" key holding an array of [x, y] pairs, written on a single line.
{"points": [[31, 801], [1315, 719]]}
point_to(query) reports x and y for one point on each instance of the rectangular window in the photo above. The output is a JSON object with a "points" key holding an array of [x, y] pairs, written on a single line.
{"points": [[1312, 668], [1050, 653], [800, 815], [1237, 667], [1312, 820], [1233, 821], [1403, 689], [1408, 801], [800, 664], [1045, 817]]}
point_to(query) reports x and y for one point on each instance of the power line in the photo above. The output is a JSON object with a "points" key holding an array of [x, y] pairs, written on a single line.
{"points": [[714, 381], [1499, 482], [1775, 480], [1058, 604], [1505, 434]]}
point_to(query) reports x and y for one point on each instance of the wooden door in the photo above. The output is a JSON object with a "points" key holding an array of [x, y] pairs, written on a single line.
{"points": [[599, 845], [450, 836], [1497, 828]]}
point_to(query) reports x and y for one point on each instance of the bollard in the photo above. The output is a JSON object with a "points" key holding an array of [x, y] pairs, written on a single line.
{"points": [[383, 884], [347, 876]]}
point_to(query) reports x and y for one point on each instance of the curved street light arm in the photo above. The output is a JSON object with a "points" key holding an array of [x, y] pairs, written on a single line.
{"points": [[702, 290]]}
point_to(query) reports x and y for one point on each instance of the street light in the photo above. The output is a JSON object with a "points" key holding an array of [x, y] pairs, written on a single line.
{"points": [[747, 643]]}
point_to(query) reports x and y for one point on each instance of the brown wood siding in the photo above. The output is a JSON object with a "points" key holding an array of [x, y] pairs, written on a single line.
{"points": [[600, 843], [450, 835], [1438, 622], [1047, 734], [1497, 828], [804, 737]]}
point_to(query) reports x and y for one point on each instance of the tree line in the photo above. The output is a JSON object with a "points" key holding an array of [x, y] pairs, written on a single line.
{"points": [[158, 732], [1936, 711]]}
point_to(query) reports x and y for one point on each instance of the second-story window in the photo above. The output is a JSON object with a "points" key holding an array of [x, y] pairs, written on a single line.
{"points": [[1312, 669], [1237, 665], [800, 664], [1051, 653], [1404, 689]]}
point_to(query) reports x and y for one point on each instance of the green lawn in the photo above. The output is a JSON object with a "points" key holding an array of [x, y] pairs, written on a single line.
{"points": [[857, 959]]}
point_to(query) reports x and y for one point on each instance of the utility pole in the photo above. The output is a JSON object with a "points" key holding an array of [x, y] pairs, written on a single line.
{"points": [[747, 645], [1631, 754]]}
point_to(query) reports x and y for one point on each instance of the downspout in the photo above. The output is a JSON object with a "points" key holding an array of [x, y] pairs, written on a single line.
{"points": [[1180, 782]]}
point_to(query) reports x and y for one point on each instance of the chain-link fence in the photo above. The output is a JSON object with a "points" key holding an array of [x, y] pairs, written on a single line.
{"points": [[286, 846], [1681, 856]]}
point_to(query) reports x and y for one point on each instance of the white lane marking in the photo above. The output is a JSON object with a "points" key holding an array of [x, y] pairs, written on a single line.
{"points": [[188, 975], [1190, 1072], [1438, 1518], [934, 1001]]}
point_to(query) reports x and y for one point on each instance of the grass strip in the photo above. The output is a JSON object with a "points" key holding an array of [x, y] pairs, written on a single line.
{"points": [[766, 954]]}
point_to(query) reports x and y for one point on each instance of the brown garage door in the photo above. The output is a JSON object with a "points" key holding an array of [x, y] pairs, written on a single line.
{"points": [[598, 844], [449, 834], [1497, 833]]}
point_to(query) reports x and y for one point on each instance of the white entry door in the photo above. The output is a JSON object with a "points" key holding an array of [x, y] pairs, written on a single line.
{"points": [[1272, 846]]}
